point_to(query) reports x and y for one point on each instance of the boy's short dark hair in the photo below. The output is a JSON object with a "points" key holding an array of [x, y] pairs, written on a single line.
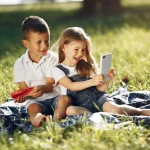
{"points": [[35, 24]]}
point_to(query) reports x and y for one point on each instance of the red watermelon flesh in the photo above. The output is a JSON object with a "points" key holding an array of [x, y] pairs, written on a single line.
{"points": [[21, 93]]}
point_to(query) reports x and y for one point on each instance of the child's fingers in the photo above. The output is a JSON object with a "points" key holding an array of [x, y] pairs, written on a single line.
{"points": [[20, 100], [111, 70], [111, 73], [36, 94]]}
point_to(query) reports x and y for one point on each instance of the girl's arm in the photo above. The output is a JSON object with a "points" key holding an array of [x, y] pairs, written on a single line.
{"points": [[103, 87], [77, 86]]}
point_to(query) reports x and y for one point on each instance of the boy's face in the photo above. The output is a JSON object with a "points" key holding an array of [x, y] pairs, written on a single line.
{"points": [[38, 44]]}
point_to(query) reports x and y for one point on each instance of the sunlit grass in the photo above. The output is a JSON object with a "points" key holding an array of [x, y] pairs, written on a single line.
{"points": [[125, 35], [134, 2]]}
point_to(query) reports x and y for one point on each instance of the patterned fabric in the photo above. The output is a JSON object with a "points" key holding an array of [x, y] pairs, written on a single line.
{"points": [[15, 116]]}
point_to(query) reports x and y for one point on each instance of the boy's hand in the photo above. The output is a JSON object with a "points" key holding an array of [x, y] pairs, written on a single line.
{"points": [[111, 74], [98, 80], [37, 92], [20, 99]]}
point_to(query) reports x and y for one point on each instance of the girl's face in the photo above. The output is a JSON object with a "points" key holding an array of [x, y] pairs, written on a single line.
{"points": [[74, 52]]}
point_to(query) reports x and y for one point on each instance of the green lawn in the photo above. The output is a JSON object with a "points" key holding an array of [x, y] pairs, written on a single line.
{"points": [[126, 36]]}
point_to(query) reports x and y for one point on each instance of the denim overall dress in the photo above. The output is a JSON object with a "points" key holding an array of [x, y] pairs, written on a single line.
{"points": [[90, 98]]}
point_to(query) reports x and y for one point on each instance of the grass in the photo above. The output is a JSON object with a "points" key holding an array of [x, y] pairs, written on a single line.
{"points": [[125, 35]]}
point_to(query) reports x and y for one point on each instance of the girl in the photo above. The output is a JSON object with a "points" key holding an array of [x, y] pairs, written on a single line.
{"points": [[77, 76]]}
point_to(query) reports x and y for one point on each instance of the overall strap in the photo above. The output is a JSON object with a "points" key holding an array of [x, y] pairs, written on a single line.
{"points": [[65, 70]]}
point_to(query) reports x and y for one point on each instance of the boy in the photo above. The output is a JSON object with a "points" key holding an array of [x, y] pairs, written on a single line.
{"points": [[34, 69]]}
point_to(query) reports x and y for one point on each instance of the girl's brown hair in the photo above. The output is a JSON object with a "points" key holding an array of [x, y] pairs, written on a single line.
{"points": [[78, 34]]}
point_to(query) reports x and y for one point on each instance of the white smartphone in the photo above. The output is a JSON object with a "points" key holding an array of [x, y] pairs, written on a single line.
{"points": [[105, 65]]}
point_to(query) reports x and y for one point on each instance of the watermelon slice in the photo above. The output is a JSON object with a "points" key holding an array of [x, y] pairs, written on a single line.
{"points": [[21, 93]]}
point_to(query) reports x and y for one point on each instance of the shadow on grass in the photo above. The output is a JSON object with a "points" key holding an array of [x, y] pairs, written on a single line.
{"points": [[59, 19]]}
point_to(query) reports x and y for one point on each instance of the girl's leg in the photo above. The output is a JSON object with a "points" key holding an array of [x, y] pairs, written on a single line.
{"points": [[36, 117], [76, 110], [111, 107], [62, 104]]}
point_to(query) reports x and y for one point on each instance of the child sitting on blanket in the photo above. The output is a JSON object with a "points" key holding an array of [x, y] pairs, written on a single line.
{"points": [[74, 46], [33, 69]]}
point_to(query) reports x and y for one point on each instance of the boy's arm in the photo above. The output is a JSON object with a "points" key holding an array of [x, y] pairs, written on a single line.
{"points": [[38, 90], [23, 85], [48, 87], [41, 89]]}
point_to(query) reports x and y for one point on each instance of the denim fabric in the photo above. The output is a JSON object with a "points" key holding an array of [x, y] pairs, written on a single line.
{"points": [[49, 105], [65, 70], [103, 99], [90, 98]]}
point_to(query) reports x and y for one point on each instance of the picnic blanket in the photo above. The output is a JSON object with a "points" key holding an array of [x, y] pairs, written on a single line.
{"points": [[13, 116]]}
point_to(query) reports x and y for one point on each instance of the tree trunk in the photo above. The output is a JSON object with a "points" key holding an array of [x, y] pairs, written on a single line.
{"points": [[101, 6], [89, 6], [111, 6]]}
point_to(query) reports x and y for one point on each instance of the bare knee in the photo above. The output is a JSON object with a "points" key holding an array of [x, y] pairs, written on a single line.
{"points": [[64, 99], [61, 107], [34, 108], [76, 110], [70, 111]]}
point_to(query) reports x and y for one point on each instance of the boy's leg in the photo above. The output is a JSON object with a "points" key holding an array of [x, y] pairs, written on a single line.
{"points": [[111, 107], [62, 104], [76, 110], [35, 113]]}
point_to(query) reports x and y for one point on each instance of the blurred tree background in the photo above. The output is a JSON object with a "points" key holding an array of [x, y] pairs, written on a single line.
{"points": [[92, 7], [101, 6]]}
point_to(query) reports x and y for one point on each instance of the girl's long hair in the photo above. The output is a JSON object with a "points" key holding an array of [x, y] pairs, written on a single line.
{"points": [[76, 34]]}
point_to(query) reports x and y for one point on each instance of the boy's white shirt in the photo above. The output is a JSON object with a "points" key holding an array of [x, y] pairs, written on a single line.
{"points": [[35, 73], [57, 74]]}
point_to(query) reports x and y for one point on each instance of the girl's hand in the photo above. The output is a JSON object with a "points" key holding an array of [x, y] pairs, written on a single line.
{"points": [[98, 80], [37, 92], [111, 74]]}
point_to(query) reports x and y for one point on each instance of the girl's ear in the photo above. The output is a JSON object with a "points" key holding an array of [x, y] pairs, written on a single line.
{"points": [[25, 43], [62, 48]]}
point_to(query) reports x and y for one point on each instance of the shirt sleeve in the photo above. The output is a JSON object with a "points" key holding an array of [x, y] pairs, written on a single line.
{"points": [[18, 72], [57, 74], [51, 63]]}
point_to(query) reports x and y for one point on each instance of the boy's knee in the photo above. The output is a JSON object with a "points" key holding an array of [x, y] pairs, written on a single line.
{"points": [[34, 107]]}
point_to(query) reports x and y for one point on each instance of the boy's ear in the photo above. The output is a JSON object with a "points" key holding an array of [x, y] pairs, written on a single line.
{"points": [[25, 43]]}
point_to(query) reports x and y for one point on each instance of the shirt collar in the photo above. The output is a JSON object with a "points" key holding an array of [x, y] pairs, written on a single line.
{"points": [[27, 58]]}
